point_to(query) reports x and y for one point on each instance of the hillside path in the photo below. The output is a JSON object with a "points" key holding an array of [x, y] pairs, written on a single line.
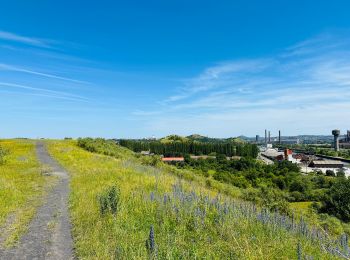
{"points": [[49, 233]]}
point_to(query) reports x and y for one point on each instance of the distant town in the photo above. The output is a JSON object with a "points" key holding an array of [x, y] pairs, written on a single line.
{"points": [[311, 153]]}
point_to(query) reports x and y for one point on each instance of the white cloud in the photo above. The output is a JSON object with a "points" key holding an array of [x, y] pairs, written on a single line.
{"points": [[43, 92], [8, 36], [307, 87], [33, 72]]}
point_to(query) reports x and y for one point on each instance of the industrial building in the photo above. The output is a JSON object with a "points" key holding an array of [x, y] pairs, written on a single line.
{"points": [[345, 143], [326, 164]]}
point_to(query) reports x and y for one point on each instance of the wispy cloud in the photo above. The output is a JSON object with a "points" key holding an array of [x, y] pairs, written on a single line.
{"points": [[9, 36], [43, 92], [33, 72], [283, 89]]}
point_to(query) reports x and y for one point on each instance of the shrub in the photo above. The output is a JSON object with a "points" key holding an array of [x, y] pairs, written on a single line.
{"points": [[3, 153], [341, 173], [296, 196], [330, 173], [301, 184], [337, 201], [110, 201], [150, 160]]}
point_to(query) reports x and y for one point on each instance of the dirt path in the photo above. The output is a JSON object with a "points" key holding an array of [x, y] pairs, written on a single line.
{"points": [[49, 233]]}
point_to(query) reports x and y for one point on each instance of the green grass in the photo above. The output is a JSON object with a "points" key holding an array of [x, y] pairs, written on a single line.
{"points": [[21, 188], [301, 207], [178, 232]]}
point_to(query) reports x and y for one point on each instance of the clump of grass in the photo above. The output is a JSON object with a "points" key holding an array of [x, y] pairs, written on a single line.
{"points": [[109, 201]]}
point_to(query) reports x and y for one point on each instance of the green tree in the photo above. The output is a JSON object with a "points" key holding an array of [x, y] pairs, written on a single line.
{"points": [[337, 201]]}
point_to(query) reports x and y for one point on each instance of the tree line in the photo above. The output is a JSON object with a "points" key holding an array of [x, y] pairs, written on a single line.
{"points": [[196, 148]]}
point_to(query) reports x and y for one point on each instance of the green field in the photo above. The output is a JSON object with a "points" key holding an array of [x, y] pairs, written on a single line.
{"points": [[188, 220], [22, 186]]}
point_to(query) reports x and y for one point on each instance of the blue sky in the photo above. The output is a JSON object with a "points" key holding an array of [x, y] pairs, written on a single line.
{"points": [[142, 68]]}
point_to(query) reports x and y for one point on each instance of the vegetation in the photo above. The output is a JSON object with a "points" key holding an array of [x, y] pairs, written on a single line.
{"points": [[337, 200], [249, 173], [106, 147], [163, 216], [330, 152], [173, 146], [110, 201], [323, 149], [3, 153], [21, 188]]}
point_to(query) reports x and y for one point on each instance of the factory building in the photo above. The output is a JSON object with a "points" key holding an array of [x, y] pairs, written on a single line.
{"points": [[326, 164], [345, 143]]}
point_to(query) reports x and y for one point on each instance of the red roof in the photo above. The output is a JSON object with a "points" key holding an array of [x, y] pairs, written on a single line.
{"points": [[170, 159]]}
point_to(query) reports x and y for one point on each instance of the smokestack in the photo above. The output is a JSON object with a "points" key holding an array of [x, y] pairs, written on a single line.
{"points": [[336, 134], [348, 136], [269, 137], [265, 136], [257, 138], [279, 136]]}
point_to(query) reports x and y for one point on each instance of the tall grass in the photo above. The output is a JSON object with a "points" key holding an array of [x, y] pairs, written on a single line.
{"points": [[163, 217]]}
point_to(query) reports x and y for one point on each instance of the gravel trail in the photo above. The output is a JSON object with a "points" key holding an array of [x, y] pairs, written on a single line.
{"points": [[49, 233]]}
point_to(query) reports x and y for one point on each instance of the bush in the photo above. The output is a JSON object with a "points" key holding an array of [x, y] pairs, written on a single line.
{"points": [[109, 201], [330, 173], [226, 177], [296, 196], [337, 200], [300, 184], [272, 199], [3, 153], [150, 160], [341, 173]]}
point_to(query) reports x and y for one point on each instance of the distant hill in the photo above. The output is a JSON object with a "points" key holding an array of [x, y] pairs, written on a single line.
{"points": [[193, 138], [238, 140], [174, 138], [199, 138]]}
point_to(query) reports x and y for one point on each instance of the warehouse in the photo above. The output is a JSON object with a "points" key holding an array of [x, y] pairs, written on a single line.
{"points": [[326, 164]]}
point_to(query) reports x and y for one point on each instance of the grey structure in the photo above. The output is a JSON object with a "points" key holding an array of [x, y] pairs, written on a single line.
{"points": [[336, 134], [279, 136]]}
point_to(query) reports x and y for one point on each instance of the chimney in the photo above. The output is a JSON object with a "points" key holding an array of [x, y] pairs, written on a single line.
{"points": [[279, 136], [265, 136], [269, 137]]}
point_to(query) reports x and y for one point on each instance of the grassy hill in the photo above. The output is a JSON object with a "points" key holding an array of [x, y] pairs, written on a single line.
{"points": [[199, 138], [124, 209], [173, 138]]}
